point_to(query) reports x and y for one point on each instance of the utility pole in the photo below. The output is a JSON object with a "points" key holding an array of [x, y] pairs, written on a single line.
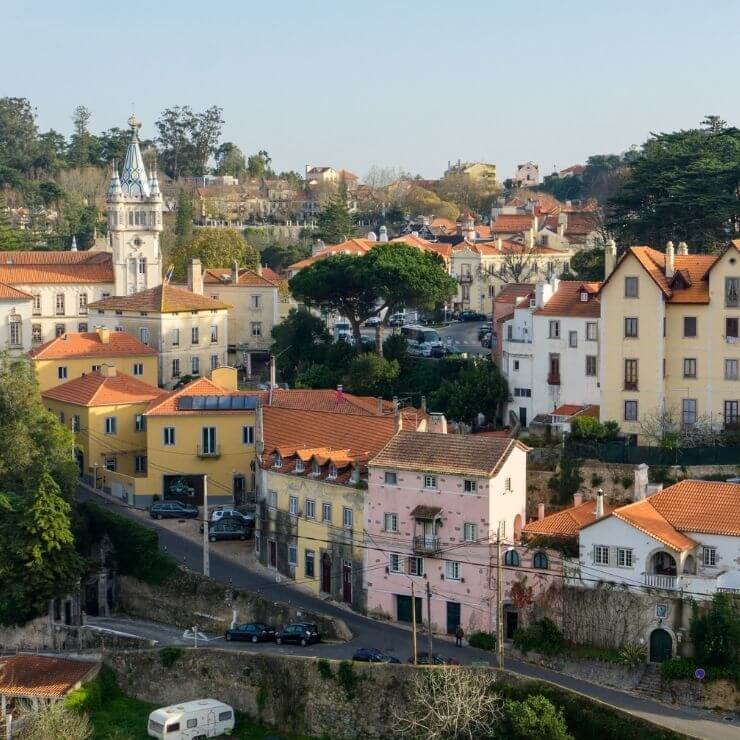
{"points": [[413, 622], [499, 601], [206, 558], [429, 621]]}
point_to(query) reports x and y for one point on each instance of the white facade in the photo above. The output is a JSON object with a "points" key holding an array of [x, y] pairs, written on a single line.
{"points": [[15, 330]]}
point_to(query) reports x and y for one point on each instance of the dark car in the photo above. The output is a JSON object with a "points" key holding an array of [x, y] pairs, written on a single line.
{"points": [[172, 510], [437, 659], [471, 316], [300, 633], [372, 655], [228, 528], [438, 350], [252, 632]]}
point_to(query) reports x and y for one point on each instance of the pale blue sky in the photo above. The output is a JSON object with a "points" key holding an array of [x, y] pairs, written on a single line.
{"points": [[407, 84]]}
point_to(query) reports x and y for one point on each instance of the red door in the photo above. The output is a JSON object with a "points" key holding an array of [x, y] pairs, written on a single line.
{"points": [[347, 581], [273, 554]]}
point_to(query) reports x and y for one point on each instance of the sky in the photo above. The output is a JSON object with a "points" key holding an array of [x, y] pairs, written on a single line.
{"points": [[404, 83]]}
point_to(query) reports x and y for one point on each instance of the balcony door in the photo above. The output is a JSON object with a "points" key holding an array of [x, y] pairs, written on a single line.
{"points": [[428, 532], [209, 440]]}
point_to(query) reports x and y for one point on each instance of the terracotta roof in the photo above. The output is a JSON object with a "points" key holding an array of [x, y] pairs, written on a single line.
{"points": [[441, 248], [456, 454], [56, 267], [8, 292], [643, 516], [96, 389], [567, 522], [568, 410], [510, 292], [512, 223], [350, 246], [162, 299], [576, 169], [270, 275], [566, 301], [580, 224], [166, 405], [247, 277], [89, 344], [334, 402], [447, 224], [41, 676]]}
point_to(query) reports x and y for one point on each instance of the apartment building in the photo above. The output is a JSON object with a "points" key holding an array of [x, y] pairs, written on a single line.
{"points": [[671, 346]]}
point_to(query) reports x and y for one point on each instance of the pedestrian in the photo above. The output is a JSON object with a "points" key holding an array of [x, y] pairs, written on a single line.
{"points": [[459, 634]]}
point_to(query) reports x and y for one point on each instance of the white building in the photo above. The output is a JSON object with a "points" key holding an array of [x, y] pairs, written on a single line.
{"points": [[15, 331], [550, 349], [527, 174]]}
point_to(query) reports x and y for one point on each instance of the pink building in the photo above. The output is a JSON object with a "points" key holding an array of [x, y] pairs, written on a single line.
{"points": [[435, 504]]}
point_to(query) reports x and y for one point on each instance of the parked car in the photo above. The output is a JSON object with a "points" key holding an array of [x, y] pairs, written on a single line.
{"points": [[227, 528], [468, 315], [483, 330], [438, 350], [172, 510], [218, 514], [373, 655], [437, 659], [198, 718], [301, 633], [373, 321], [252, 632]]}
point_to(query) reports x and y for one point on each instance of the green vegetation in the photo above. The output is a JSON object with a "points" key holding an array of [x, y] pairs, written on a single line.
{"points": [[535, 717], [715, 632], [590, 429], [684, 669], [567, 481], [214, 248], [633, 655], [542, 636], [168, 656], [324, 668], [482, 640], [335, 223]]}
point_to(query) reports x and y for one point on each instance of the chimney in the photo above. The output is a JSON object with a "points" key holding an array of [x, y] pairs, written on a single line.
{"points": [[398, 421], [380, 406], [599, 511], [499, 243], [259, 269], [234, 272], [683, 249], [540, 511], [530, 239], [561, 230], [340, 393], [396, 405], [195, 276], [383, 234], [536, 224], [259, 433], [577, 499], [273, 373], [669, 260], [103, 334], [437, 423], [108, 371], [610, 258]]}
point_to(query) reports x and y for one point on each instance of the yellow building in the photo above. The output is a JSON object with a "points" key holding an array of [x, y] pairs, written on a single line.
{"points": [[670, 350], [105, 409], [70, 356]]}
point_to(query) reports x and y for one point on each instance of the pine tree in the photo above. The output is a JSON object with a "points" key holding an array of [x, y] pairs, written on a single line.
{"points": [[184, 219], [335, 222]]}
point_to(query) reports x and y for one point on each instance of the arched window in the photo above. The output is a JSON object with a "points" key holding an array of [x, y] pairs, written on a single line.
{"points": [[511, 557], [540, 561]]}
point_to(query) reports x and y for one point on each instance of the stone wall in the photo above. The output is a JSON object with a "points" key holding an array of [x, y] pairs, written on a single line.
{"points": [[191, 600], [722, 693]]}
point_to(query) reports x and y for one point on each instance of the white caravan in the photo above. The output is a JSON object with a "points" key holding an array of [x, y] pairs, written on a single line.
{"points": [[201, 718]]}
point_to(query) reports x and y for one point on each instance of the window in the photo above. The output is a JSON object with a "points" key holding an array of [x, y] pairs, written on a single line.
{"points": [[731, 367], [95, 368], [470, 486], [688, 412], [630, 327], [416, 566], [689, 326], [82, 303], [36, 304], [194, 335], [140, 463], [731, 327], [61, 417], [394, 563], [601, 555], [110, 425], [299, 467], [501, 532], [195, 365], [310, 508], [256, 301], [452, 570], [507, 484], [430, 481], [630, 375], [540, 561], [59, 329], [516, 364], [248, 435], [390, 522], [175, 337], [333, 472], [630, 410], [175, 726], [732, 292], [315, 469], [554, 330], [469, 532], [624, 557], [731, 414], [139, 423], [214, 334], [631, 287], [82, 327], [256, 328], [35, 333], [293, 505], [61, 373], [309, 563], [591, 365], [511, 558], [208, 436], [347, 517], [592, 331], [572, 338], [138, 368], [111, 464], [390, 478], [709, 556], [272, 500], [523, 392], [144, 335], [292, 555], [326, 512], [689, 367], [192, 722], [16, 335], [277, 460], [75, 423], [554, 376], [59, 304], [169, 436]]}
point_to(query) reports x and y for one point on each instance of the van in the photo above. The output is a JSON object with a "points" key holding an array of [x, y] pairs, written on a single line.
{"points": [[342, 331], [191, 720]]}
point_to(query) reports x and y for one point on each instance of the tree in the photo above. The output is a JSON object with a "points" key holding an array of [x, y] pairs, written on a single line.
{"points": [[18, 136], [184, 218], [517, 265], [535, 717], [214, 248], [588, 264], [297, 341], [188, 139], [10, 238], [372, 375], [466, 192], [683, 186], [568, 480], [258, 165], [715, 632], [230, 160], [83, 147], [114, 143], [335, 223], [279, 256]]}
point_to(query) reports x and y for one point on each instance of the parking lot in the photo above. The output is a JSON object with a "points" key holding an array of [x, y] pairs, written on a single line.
{"points": [[458, 336]]}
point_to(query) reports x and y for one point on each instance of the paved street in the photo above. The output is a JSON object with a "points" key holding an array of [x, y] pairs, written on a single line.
{"points": [[390, 638]]}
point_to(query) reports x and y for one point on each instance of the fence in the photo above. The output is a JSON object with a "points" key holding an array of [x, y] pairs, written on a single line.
{"points": [[618, 451]]}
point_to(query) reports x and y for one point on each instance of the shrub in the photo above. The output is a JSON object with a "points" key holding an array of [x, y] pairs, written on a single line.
{"points": [[347, 679], [677, 669], [716, 631], [626, 481], [168, 656], [535, 717], [55, 721], [596, 480], [324, 668], [542, 636], [482, 640], [633, 655], [85, 699]]}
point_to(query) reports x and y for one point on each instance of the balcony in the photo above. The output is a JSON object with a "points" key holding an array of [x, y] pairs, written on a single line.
{"points": [[667, 583], [209, 451], [553, 378], [465, 278], [630, 385], [426, 544]]}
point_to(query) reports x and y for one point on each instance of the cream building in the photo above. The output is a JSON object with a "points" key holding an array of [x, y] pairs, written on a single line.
{"points": [[669, 323], [15, 331]]}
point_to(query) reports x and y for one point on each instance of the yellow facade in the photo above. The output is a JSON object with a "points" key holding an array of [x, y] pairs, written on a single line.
{"points": [[48, 375]]}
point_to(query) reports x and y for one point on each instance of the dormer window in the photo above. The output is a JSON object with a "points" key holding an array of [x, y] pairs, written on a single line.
{"points": [[299, 467], [584, 296], [315, 469], [332, 472], [277, 461]]}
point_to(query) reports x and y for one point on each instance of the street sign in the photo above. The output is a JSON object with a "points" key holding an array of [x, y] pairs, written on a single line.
{"points": [[699, 674]]}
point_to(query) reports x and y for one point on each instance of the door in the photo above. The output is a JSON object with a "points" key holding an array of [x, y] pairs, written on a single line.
{"points": [[240, 488], [661, 646], [273, 554], [430, 530], [453, 617], [512, 623], [403, 608], [326, 573], [347, 581], [211, 724], [523, 415]]}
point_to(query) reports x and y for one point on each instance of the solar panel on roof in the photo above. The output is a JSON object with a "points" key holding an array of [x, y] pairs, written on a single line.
{"points": [[224, 402], [211, 402], [217, 403], [185, 402], [199, 403]]}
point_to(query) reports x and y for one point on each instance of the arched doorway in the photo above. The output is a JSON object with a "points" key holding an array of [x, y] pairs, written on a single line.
{"points": [[326, 573], [661, 646], [663, 564]]}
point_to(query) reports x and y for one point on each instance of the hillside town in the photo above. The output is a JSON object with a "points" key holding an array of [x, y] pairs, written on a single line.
{"points": [[310, 453]]}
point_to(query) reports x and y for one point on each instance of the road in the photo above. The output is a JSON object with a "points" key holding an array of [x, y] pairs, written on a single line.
{"points": [[390, 638], [461, 336]]}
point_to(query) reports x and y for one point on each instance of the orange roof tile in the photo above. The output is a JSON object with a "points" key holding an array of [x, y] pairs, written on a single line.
{"points": [[567, 522], [441, 248], [97, 389], [166, 405], [643, 516], [164, 298], [8, 292], [248, 278], [350, 246], [512, 223], [511, 292], [41, 676], [566, 301], [56, 267], [89, 344]]}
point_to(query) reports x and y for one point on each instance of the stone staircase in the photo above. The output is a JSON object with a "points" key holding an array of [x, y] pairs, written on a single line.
{"points": [[651, 682]]}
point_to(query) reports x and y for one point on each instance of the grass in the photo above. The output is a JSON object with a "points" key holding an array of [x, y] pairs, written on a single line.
{"points": [[590, 652]]}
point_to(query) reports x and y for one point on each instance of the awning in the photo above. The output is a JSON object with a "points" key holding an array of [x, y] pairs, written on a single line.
{"points": [[426, 512]]}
